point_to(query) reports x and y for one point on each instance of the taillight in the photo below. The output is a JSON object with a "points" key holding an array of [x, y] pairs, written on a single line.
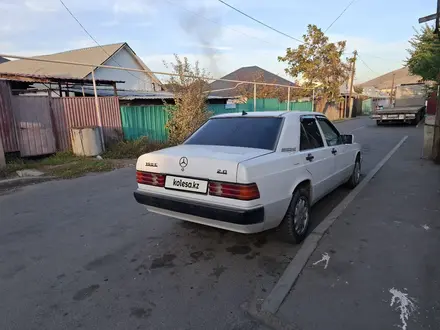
{"points": [[245, 192], [152, 179]]}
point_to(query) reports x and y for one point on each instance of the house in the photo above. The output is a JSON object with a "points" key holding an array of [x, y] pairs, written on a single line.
{"points": [[119, 54], [3, 60], [384, 82], [248, 73]]}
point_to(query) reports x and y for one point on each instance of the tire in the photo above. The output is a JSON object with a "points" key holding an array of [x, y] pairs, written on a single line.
{"points": [[378, 123], [299, 207], [356, 175]]}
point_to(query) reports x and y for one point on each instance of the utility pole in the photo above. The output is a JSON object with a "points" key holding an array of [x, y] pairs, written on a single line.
{"points": [[436, 139], [391, 93], [353, 68]]}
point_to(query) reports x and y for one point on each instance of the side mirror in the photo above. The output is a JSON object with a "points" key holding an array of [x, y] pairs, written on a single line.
{"points": [[347, 138]]}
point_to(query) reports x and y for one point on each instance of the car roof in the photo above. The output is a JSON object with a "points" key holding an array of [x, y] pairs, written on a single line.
{"points": [[268, 114]]}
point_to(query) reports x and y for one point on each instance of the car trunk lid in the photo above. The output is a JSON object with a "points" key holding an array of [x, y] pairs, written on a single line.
{"points": [[218, 163]]}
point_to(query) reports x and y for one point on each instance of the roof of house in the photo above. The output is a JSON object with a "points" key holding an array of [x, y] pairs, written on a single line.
{"points": [[344, 89], [248, 73], [3, 60], [135, 95], [401, 76], [35, 78], [93, 55]]}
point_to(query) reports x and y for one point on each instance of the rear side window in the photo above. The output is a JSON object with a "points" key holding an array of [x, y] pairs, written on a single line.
{"points": [[310, 136], [248, 132]]}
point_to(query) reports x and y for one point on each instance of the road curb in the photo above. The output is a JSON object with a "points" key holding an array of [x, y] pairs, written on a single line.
{"points": [[281, 289], [344, 119], [16, 182], [266, 318]]}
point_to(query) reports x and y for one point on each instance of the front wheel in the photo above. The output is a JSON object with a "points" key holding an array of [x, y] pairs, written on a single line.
{"points": [[356, 175], [294, 226]]}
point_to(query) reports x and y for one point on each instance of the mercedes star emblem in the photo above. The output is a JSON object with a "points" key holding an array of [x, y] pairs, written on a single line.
{"points": [[183, 162]]}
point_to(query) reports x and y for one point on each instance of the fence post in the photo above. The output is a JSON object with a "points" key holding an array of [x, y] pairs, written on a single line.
{"points": [[255, 97], [98, 111], [2, 154], [288, 98], [313, 100]]}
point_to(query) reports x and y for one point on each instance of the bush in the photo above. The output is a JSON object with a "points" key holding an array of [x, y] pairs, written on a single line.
{"points": [[190, 110], [133, 148]]}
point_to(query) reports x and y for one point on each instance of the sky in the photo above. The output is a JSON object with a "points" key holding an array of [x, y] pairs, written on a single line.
{"points": [[207, 31]]}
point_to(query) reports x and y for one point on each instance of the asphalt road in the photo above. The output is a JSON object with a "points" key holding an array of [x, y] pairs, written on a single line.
{"points": [[81, 254]]}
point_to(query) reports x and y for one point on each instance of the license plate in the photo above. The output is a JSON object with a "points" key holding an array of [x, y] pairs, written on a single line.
{"points": [[185, 184], [393, 116]]}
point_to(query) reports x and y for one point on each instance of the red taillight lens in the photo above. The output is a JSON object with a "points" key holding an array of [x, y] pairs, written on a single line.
{"points": [[245, 192], [152, 179]]}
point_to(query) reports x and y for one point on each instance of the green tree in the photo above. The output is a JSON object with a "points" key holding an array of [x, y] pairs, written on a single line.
{"points": [[358, 89], [424, 55], [318, 63], [189, 111], [424, 60]]}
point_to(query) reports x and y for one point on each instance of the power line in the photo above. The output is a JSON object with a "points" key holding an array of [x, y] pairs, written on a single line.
{"points": [[260, 22], [96, 42], [381, 58], [367, 65], [342, 13]]}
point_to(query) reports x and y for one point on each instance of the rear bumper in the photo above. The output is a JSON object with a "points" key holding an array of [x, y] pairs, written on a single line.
{"points": [[218, 213], [397, 117]]}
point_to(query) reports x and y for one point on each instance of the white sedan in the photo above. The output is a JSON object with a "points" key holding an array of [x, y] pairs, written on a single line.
{"points": [[249, 172]]}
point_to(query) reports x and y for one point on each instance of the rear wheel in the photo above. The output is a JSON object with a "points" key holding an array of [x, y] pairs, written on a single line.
{"points": [[294, 226], [378, 123]]}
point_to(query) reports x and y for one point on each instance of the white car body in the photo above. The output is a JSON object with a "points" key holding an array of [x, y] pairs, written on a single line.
{"points": [[277, 173]]}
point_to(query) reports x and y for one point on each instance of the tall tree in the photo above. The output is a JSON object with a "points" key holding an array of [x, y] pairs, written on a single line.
{"points": [[424, 60], [424, 55], [319, 64], [189, 111]]}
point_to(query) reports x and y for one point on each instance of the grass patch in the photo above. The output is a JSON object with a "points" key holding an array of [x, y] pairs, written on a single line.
{"points": [[80, 167], [66, 165], [133, 149], [11, 168], [63, 164]]}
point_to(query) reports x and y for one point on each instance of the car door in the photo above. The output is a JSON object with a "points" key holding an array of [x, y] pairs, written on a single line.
{"points": [[316, 157], [338, 149]]}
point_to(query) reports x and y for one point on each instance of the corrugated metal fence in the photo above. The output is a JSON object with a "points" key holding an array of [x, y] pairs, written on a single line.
{"points": [[69, 112], [8, 129], [150, 121], [33, 120], [56, 115]]}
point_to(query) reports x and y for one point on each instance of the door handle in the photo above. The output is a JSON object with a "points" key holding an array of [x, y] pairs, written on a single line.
{"points": [[334, 151], [310, 157]]}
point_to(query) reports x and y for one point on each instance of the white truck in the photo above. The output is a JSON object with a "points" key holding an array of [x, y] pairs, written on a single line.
{"points": [[249, 172], [409, 106]]}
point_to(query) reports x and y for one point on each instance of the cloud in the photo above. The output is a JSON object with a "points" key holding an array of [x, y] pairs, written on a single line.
{"points": [[199, 45], [42, 5], [81, 43], [133, 7], [111, 23]]}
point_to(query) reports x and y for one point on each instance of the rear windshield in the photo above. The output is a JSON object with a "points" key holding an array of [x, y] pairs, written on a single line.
{"points": [[248, 132]]}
